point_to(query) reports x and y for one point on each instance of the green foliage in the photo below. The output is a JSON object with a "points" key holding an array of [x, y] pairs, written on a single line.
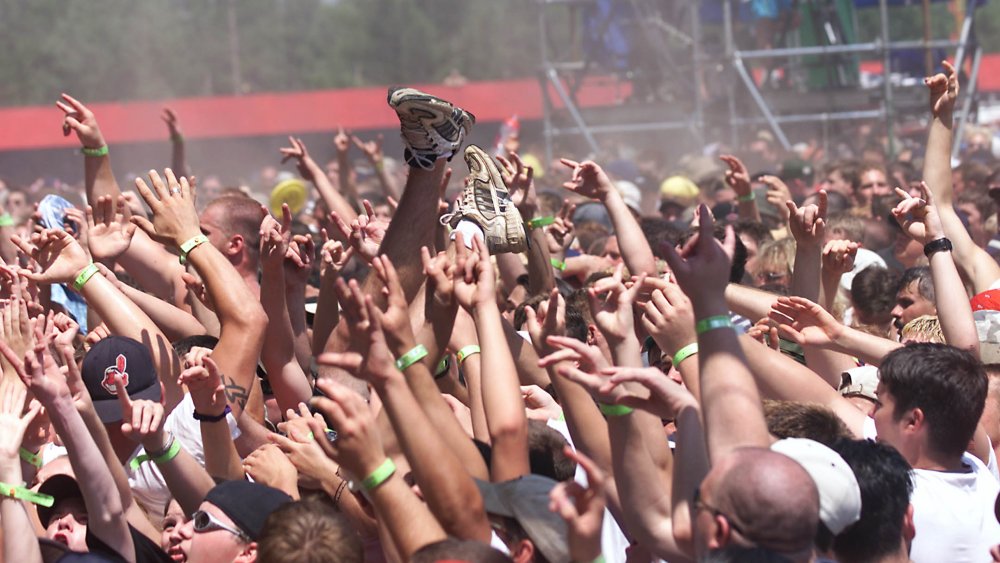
{"points": [[111, 50]]}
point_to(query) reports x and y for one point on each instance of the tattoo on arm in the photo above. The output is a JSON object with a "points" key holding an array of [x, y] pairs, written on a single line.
{"points": [[235, 393]]}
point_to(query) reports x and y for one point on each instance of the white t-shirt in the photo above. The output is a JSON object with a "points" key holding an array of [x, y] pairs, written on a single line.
{"points": [[953, 511], [147, 482]]}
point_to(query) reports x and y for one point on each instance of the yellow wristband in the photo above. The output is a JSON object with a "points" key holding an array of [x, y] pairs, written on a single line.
{"points": [[685, 353], [416, 354], [712, 323], [20, 492], [380, 475], [190, 244], [467, 351], [100, 151], [84, 276]]}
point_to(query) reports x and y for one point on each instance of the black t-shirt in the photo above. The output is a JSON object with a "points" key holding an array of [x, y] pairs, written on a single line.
{"points": [[145, 549]]}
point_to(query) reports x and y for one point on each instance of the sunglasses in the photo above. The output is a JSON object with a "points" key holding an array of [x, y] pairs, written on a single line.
{"points": [[205, 522]]}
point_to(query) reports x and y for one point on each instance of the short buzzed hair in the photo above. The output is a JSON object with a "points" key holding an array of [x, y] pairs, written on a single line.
{"points": [[240, 216], [309, 531]]}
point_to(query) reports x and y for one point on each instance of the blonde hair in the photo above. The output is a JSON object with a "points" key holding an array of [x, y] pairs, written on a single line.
{"points": [[925, 328]]}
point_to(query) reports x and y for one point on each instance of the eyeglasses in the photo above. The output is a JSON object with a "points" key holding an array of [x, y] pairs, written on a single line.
{"points": [[205, 522], [699, 503]]}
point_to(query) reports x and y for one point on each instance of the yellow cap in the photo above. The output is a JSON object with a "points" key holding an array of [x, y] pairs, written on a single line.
{"points": [[293, 192], [679, 188]]}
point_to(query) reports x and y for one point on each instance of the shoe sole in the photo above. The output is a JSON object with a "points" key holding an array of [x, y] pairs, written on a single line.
{"points": [[478, 160]]}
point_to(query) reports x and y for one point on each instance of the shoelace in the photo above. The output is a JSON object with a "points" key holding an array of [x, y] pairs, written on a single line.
{"points": [[468, 200]]}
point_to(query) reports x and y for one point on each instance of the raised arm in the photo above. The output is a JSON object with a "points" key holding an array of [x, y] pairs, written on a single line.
{"points": [[808, 226], [447, 487], [589, 180], [373, 152], [311, 171], [149, 263], [105, 511], [919, 218], [502, 401], [730, 401], [178, 161], [738, 178], [19, 541], [243, 321], [358, 449], [979, 267], [287, 378]]}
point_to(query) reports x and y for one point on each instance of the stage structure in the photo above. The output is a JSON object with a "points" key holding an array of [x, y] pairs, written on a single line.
{"points": [[674, 78]]}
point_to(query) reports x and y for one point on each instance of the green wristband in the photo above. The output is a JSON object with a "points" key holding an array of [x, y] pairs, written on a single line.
{"points": [[712, 323], [28, 457], [746, 198], [177, 137], [380, 475], [84, 276], [614, 410], [172, 450], [541, 222], [415, 354], [190, 244], [442, 367], [20, 492], [558, 264], [467, 351], [685, 353], [100, 151], [6, 220]]}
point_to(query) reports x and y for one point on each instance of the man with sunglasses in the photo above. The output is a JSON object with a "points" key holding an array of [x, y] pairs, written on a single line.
{"points": [[229, 521]]}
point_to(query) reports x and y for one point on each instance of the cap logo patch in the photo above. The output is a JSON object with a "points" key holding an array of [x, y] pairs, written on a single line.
{"points": [[109, 375]]}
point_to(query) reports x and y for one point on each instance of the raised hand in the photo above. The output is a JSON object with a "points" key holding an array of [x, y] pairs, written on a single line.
{"points": [[666, 397], [358, 447], [918, 216], [173, 124], [805, 322], [943, 91], [369, 357], [140, 419], [518, 178], [475, 284], [589, 179], [838, 256], [48, 385], [59, 256], [559, 234], [588, 358], [582, 508], [777, 193], [702, 266], [270, 466], [364, 234], [737, 176], [16, 327], [203, 380], [550, 320], [12, 427], [669, 318], [440, 287], [765, 332], [342, 141], [175, 220], [614, 316], [808, 224], [395, 318], [299, 152], [299, 444], [333, 256], [539, 404], [275, 238], [77, 118], [371, 149], [109, 231], [299, 260]]}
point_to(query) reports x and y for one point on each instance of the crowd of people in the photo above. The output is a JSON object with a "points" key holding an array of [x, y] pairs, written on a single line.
{"points": [[549, 363]]}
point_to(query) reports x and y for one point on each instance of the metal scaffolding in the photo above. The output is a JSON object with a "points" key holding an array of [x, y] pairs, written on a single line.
{"points": [[563, 77]]}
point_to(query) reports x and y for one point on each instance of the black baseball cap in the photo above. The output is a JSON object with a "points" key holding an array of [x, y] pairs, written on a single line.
{"points": [[247, 504], [112, 356], [60, 487]]}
